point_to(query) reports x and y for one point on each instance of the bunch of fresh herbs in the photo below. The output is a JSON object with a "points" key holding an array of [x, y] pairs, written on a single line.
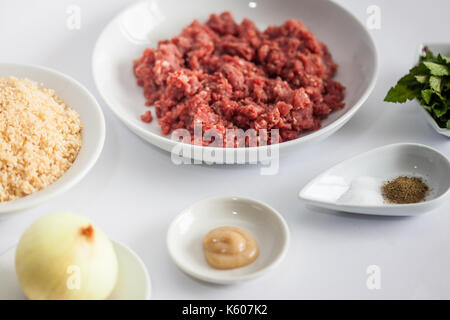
{"points": [[429, 83]]}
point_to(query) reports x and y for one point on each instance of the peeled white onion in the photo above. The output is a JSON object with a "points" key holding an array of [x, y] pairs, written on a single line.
{"points": [[64, 256]]}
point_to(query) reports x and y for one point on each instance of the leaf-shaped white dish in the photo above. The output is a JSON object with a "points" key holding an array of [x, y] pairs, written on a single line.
{"points": [[366, 174]]}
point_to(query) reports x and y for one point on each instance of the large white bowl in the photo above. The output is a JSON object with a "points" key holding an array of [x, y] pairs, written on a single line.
{"points": [[93, 133], [144, 23]]}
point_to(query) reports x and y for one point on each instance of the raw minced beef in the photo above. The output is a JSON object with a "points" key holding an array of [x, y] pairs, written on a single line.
{"points": [[225, 75]]}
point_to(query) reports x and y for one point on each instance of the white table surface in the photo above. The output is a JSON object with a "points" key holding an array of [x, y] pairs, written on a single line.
{"points": [[134, 191]]}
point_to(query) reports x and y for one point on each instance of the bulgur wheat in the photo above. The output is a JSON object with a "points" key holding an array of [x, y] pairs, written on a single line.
{"points": [[40, 137]]}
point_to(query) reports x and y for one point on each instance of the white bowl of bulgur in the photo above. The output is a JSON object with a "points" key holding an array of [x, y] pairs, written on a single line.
{"points": [[52, 132]]}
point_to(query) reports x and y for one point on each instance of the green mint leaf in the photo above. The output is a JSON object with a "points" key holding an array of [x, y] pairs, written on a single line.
{"points": [[439, 109], [437, 69], [435, 83], [428, 56], [443, 59], [426, 95], [408, 80], [420, 69], [400, 93], [448, 124], [421, 79], [440, 96]]}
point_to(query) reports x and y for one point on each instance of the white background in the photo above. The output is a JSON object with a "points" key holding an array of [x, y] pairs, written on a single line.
{"points": [[134, 191]]}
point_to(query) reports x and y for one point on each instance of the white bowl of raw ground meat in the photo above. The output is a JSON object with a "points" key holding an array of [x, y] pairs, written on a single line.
{"points": [[234, 81]]}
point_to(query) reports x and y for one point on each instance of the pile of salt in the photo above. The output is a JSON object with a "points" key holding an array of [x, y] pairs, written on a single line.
{"points": [[363, 191]]}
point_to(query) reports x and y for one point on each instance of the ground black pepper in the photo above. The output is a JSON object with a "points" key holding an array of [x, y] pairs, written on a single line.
{"points": [[405, 190]]}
